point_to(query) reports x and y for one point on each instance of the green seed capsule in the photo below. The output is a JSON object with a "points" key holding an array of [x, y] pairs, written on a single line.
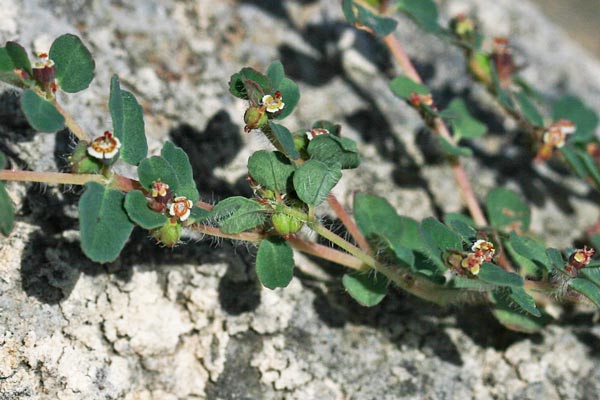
{"points": [[285, 224], [255, 118], [169, 234], [81, 162]]}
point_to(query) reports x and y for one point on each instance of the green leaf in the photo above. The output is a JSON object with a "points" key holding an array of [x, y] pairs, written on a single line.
{"points": [[249, 84], [527, 267], [507, 210], [271, 169], [586, 288], [285, 138], [367, 288], [137, 208], [19, 57], [382, 26], [40, 113], [403, 87], [572, 155], [439, 236], [375, 216], [403, 256], [462, 225], [584, 118], [314, 180], [7, 211], [197, 214], [530, 249], [524, 300], [104, 224], [463, 123], [157, 168], [276, 73], [332, 150], [529, 110], [590, 166], [515, 319], [128, 123], [274, 263], [423, 12], [290, 95], [453, 149], [237, 214], [592, 274], [459, 282], [556, 259], [180, 162], [74, 63], [491, 273]]}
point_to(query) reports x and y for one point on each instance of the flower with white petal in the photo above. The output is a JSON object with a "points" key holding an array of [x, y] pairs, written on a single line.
{"points": [[273, 103], [313, 133], [105, 147], [181, 208]]}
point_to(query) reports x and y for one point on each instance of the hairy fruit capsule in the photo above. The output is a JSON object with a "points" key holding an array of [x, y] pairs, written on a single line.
{"points": [[169, 234], [255, 118], [285, 224]]}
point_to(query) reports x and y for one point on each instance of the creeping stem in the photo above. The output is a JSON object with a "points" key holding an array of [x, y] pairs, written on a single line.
{"points": [[50, 177], [70, 122]]}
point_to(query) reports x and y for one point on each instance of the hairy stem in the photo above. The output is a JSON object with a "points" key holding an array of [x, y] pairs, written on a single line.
{"points": [[50, 177], [70, 122], [348, 222], [441, 129]]}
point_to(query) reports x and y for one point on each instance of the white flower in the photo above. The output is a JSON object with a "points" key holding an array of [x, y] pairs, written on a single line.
{"points": [[181, 208], [43, 61], [273, 103], [104, 147]]}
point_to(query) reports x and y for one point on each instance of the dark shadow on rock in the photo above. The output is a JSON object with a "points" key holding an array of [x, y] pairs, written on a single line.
{"points": [[238, 381], [214, 147]]}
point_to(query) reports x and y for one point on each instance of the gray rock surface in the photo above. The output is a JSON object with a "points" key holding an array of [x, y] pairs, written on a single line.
{"points": [[193, 322]]}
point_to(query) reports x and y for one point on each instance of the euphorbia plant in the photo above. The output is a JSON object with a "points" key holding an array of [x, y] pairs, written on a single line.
{"points": [[444, 262]]}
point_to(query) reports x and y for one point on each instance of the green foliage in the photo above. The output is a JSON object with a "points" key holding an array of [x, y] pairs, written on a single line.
{"points": [[529, 110], [314, 180], [157, 168], [356, 13], [367, 288], [128, 123], [180, 162], [74, 63], [40, 113], [290, 94], [249, 84], [274, 263], [104, 224], [454, 150], [272, 170], [586, 288], [404, 87], [463, 123], [137, 208], [514, 318], [531, 250], [423, 12], [507, 211], [237, 214], [333, 150], [284, 137], [12, 57], [523, 300], [439, 237], [491, 273], [584, 118]]}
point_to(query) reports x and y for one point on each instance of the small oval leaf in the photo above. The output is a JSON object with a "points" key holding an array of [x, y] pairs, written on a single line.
{"points": [[103, 222], [275, 263], [314, 180], [40, 113], [74, 63], [368, 289], [137, 208]]}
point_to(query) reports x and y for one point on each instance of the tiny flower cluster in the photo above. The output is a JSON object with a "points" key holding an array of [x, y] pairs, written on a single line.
{"points": [[555, 138], [579, 259], [44, 70], [105, 148], [481, 251], [162, 200], [273, 103]]}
